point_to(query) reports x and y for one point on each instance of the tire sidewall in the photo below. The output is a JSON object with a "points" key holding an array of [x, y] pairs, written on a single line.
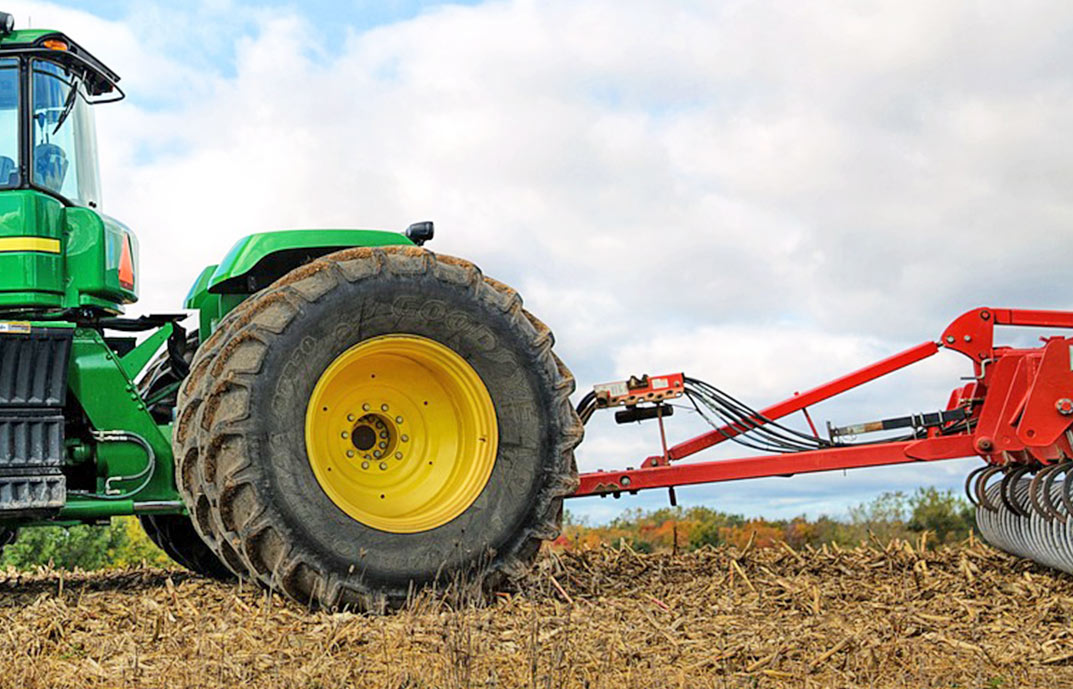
{"points": [[488, 339]]}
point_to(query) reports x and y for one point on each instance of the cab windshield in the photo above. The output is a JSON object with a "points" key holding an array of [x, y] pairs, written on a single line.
{"points": [[64, 156]]}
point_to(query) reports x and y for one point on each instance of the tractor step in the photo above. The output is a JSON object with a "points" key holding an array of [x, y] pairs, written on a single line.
{"points": [[33, 384]]}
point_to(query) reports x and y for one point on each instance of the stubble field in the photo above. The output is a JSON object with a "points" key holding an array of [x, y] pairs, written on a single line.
{"points": [[897, 616]]}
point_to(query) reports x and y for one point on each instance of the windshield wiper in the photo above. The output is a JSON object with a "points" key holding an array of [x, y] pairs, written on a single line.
{"points": [[68, 105]]}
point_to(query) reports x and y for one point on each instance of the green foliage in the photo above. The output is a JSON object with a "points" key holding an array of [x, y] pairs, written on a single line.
{"points": [[712, 526], [946, 515], [121, 543], [636, 544], [946, 518]]}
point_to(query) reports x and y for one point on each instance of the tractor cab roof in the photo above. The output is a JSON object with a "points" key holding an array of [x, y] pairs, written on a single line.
{"points": [[99, 80]]}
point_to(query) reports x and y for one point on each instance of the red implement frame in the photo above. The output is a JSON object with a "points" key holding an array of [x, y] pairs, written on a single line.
{"points": [[1020, 407]]}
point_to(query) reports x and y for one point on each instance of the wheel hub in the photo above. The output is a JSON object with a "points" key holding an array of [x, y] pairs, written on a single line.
{"points": [[377, 437], [401, 433]]}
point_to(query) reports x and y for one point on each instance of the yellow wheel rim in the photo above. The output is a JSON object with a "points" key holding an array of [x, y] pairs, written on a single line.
{"points": [[401, 433]]}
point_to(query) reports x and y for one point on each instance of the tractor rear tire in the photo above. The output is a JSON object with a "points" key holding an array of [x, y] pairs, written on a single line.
{"points": [[7, 537], [174, 533], [463, 369]]}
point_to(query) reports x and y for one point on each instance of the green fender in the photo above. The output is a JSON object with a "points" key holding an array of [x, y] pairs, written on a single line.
{"points": [[258, 260]]}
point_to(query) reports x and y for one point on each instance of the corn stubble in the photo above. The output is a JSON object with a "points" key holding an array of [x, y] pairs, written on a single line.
{"points": [[893, 616]]}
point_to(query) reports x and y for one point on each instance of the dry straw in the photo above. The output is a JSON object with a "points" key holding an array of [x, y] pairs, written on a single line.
{"points": [[892, 616]]}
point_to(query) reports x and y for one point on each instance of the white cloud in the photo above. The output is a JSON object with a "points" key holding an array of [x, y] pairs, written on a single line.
{"points": [[766, 194]]}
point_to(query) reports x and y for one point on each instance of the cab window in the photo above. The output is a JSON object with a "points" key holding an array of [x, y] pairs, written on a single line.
{"points": [[64, 157], [9, 123]]}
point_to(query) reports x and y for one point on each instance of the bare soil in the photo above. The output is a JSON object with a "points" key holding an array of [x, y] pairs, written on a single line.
{"points": [[899, 616]]}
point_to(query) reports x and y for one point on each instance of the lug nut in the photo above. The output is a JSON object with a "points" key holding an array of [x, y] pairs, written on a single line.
{"points": [[345, 434], [398, 419], [349, 417], [1064, 406], [383, 466], [383, 446], [377, 454], [383, 434], [364, 465], [349, 453], [383, 407], [398, 455], [405, 438], [365, 407]]}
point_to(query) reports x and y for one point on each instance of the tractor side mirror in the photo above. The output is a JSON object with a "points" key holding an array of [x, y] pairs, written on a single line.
{"points": [[420, 232]]}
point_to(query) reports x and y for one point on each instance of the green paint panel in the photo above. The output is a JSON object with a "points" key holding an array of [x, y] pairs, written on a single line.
{"points": [[24, 36], [110, 399], [220, 288], [199, 290], [94, 249], [28, 216], [249, 251], [135, 361], [82, 271]]}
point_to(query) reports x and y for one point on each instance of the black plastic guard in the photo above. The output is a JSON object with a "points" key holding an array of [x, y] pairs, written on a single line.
{"points": [[33, 389]]}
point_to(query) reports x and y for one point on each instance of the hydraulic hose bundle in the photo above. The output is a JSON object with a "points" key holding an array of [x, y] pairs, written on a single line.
{"points": [[747, 426]]}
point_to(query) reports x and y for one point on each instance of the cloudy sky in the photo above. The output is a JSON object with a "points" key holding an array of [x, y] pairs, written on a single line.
{"points": [[762, 194]]}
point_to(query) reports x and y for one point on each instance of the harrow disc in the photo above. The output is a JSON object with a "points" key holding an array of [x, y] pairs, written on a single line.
{"points": [[1026, 512]]}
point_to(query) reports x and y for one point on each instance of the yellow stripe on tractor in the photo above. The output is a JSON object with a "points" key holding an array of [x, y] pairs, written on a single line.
{"points": [[42, 244]]}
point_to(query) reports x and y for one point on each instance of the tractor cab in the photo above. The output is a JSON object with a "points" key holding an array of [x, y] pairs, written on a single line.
{"points": [[57, 250], [47, 136]]}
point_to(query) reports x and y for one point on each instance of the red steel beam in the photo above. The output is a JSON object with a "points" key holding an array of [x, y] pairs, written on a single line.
{"points": [[1034, 318], [850, 457], [805, 399]]}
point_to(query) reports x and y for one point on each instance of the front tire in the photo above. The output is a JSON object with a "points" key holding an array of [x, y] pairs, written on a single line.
{"points": [[174, 533], [272, 465]]}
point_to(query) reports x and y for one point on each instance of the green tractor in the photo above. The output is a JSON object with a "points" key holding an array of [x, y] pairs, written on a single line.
{"points": [[353, 418]]}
